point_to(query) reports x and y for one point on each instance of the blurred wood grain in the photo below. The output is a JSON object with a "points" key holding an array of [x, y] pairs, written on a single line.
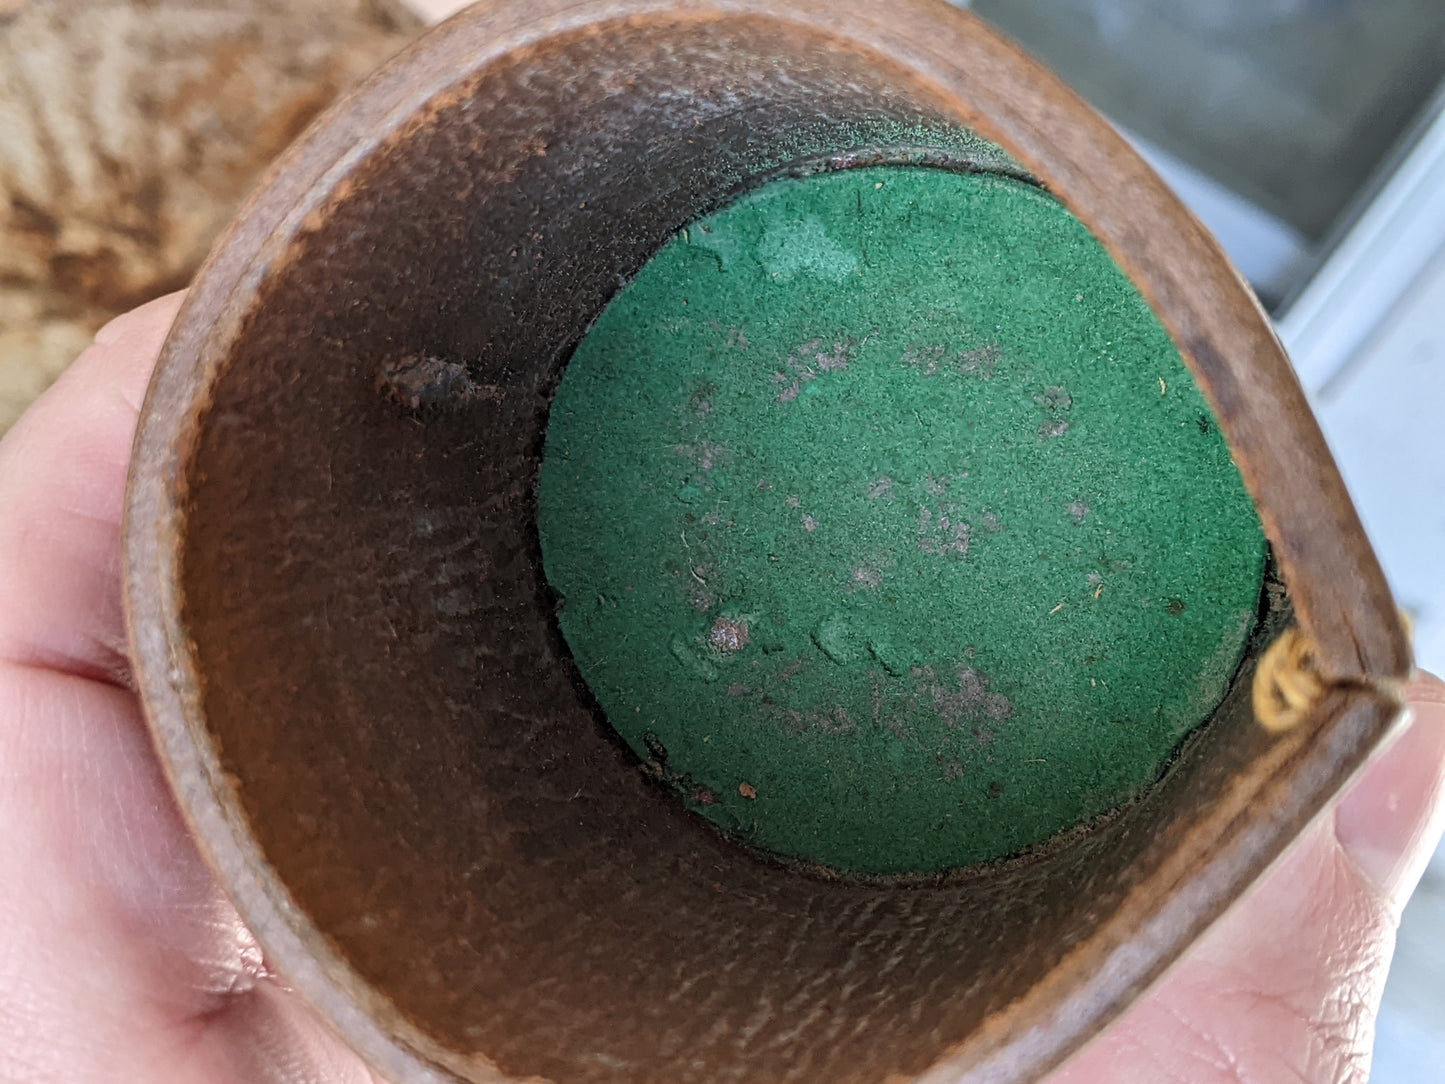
{"points": [[130, 130]]}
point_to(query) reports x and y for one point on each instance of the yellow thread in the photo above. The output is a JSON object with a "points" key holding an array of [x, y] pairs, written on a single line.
{"points": [[1287, 683], [1407, 619]]}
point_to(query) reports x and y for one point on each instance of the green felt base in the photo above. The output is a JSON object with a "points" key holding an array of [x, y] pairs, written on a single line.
{"points": [[890, 528]]}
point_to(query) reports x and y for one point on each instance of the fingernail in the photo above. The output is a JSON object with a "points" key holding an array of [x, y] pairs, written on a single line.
{"points": [[1390, 819]]}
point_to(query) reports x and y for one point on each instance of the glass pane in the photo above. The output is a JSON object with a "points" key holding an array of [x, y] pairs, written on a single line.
{"points": [[1290, 103]]}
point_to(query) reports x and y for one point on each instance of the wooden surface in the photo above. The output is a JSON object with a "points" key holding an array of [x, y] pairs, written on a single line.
{"points": [[344, 644], [132, 131]]}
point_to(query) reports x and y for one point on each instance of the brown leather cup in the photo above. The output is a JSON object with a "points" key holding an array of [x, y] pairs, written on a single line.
{"points": [[343, 638]]}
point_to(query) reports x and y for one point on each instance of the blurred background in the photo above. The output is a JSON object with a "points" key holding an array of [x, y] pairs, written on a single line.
{"points": [[1309, 135]]}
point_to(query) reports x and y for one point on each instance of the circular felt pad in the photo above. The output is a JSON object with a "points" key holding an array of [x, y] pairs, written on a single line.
{"points": [[888, 526]]}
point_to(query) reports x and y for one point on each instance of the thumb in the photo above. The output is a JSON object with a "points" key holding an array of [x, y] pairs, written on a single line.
{"points": [[1389, 822], [1286, 985]]}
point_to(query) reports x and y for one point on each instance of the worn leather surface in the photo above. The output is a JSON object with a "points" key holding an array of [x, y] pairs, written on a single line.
{"points": [[392, 709]]}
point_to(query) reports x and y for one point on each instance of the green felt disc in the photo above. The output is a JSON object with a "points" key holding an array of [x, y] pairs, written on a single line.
{"points": [[889, 527]]}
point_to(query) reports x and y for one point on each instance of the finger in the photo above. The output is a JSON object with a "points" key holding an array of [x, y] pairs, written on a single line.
{"points": [[266, 1037], [120, 960], [113, 934], [1286, 985], [1389, 823], [62, 486]]}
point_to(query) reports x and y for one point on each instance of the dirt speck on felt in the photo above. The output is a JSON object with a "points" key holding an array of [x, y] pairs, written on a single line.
{"points": [[728, 636], [930, 562]]}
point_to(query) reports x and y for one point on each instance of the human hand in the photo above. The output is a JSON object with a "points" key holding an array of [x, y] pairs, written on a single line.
{"points": [[121, 960]]}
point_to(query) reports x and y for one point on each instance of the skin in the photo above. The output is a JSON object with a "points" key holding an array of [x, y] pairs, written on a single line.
{"points": [[121, 960]]}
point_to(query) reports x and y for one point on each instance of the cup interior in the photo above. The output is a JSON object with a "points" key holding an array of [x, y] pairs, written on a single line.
{"points": [[393, 712]]}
